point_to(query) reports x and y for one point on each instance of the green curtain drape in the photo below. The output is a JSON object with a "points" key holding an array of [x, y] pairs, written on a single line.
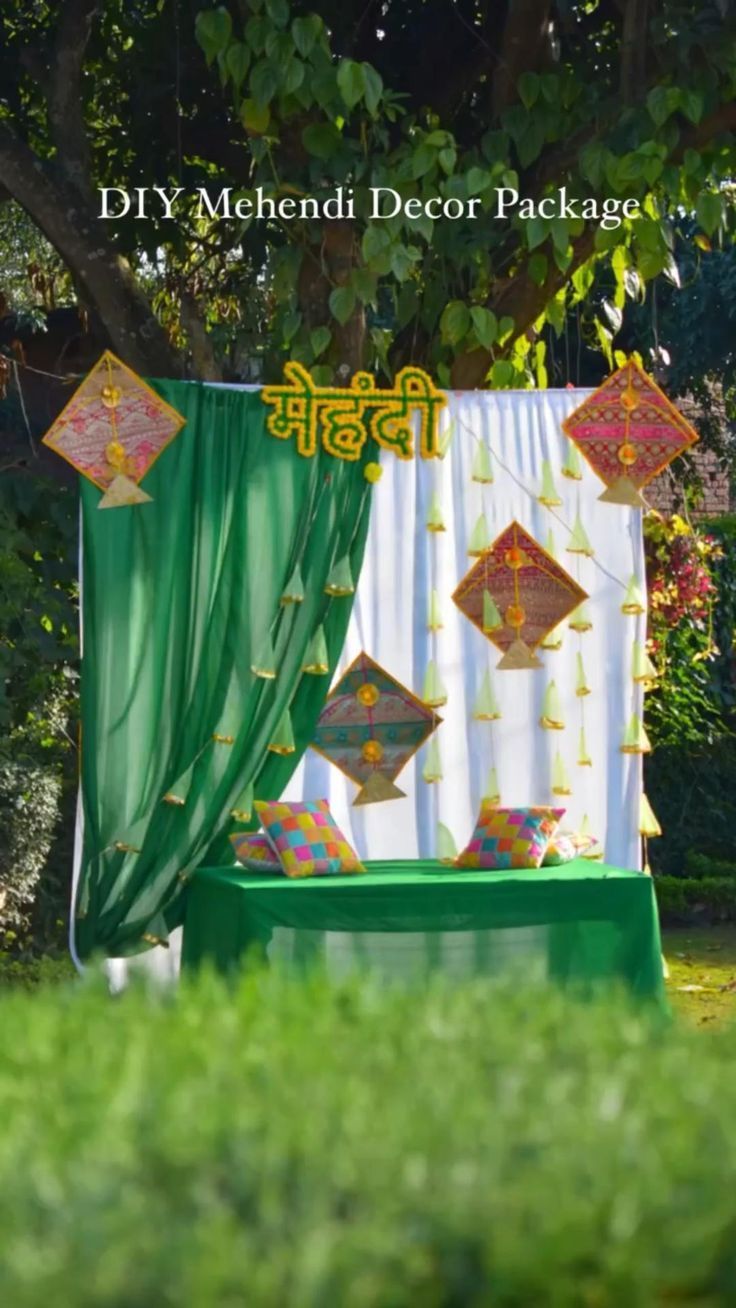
{"points": [[178, 598]]}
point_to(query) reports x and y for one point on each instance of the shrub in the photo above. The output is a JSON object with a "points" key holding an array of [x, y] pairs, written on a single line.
{"points": [[706, 901], [299, 1144], [29, 808], [693, 792]]}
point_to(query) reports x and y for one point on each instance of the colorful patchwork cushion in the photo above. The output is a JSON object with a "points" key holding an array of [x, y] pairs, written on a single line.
{"points": [[507, 838], [565, 846], [307, 839], [255, 852]]}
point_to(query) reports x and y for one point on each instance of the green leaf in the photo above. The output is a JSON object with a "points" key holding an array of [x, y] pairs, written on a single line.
{"points": [[477, 180], [212, 29], [294, 76], [692, 105], [373, 84], [454, 322], [319, 340], [278, 12], [255, 117], [350, 81], [485, 324], [237, 61], [538, 265], [447, 159], [322, 374], [502, 374], [264, 82], [422, 159], [529, 87], [375, 240], [671, 271], [658, 104], [321, 139], [305, 32], [536, 231], [342, 303], [709, 211], [505, 328], [365, 284]]}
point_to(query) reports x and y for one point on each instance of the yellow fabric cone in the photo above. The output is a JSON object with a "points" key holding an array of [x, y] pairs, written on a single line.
{"points": [[492, 792], [376, 790], [581, 684], [492, 620], [550, 545], [264, 659], [340, 579], [579, 542], [553, 639], [548, 493], [282, 740], [432, 770], [480, 539], [434, 693], [623, 491], [445, 438], [636, 740], [642, 668], [552, 719], [572, 467], [580, 619], [482, 466], [585, 826], [445, 844], [486, 707], [242, 809], [560, 780], [317, 659], [178, 793], [584, 759], [518, 656], [435, 520], [122, 492], [434, 614], [634, 599], [648, 824], [293, 592]]}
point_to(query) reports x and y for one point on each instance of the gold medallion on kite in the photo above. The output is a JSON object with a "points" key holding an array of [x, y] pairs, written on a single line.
{"points": [[628, 431], [370, 727], [113, 430], [516, 593]]}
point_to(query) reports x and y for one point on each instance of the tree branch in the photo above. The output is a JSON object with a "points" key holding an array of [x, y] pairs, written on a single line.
{"points": [[65, 102], [522, 44]]}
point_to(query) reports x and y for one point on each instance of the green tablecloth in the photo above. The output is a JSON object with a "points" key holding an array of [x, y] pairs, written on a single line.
{"points": [[584, 922]]}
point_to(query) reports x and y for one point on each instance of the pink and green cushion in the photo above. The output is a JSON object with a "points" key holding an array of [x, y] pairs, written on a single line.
{"points": [[565, 846], [255, 852], [307, 839], [506, 838]]}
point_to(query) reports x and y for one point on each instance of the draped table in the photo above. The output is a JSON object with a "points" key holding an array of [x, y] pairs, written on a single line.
{"points": [[584, 924]]}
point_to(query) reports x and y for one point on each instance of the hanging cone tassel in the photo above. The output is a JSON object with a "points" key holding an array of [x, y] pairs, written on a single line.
{"points": [[623, 491], [493, 794], [492, 620], [486, 707], [636, 740], [316, 659], [643, 670], [551, 546], [122, 492], [293, 592], [548, 494], [580, 620], [553, 639], [434, 615], [445, 439], [242, 810], [571, 467], [282, 741], [434, 692], [584, 759], [340, 579], [377, 789], [560, 780], [518, 656], [435, 520], [581, 685], [480, 539], [432, 770], [552, 719], [179, 792], [634, 599], [264, 662], [648, 824], [579, 542], [585, 826], [482, 466], [445, 844]]}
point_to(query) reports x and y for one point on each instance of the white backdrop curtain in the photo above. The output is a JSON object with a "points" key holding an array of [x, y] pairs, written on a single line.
{"points": [[404, 561]]}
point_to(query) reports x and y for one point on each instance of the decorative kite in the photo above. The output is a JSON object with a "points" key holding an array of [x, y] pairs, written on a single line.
{"points": [[628, 431], [113, 430], [515, 594], [370, 727]]}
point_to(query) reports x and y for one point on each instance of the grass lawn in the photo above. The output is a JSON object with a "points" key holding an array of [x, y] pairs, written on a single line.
{"points": [[702, 980]]}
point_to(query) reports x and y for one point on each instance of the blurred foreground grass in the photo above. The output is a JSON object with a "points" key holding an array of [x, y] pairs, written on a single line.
{"points": [[308, 1145]]}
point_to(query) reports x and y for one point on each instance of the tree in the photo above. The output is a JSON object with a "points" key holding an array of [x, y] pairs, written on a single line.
{"points": [[617, 99]]}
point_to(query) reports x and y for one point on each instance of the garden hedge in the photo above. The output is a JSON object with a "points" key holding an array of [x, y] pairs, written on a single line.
{"points": [[300, 1146]]}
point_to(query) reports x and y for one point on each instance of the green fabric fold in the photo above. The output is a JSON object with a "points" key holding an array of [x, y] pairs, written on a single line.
{"points": [[179, 596]]}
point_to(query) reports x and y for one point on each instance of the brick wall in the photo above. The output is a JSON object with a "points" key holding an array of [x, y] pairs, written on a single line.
{"points": [[665, 492]]}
